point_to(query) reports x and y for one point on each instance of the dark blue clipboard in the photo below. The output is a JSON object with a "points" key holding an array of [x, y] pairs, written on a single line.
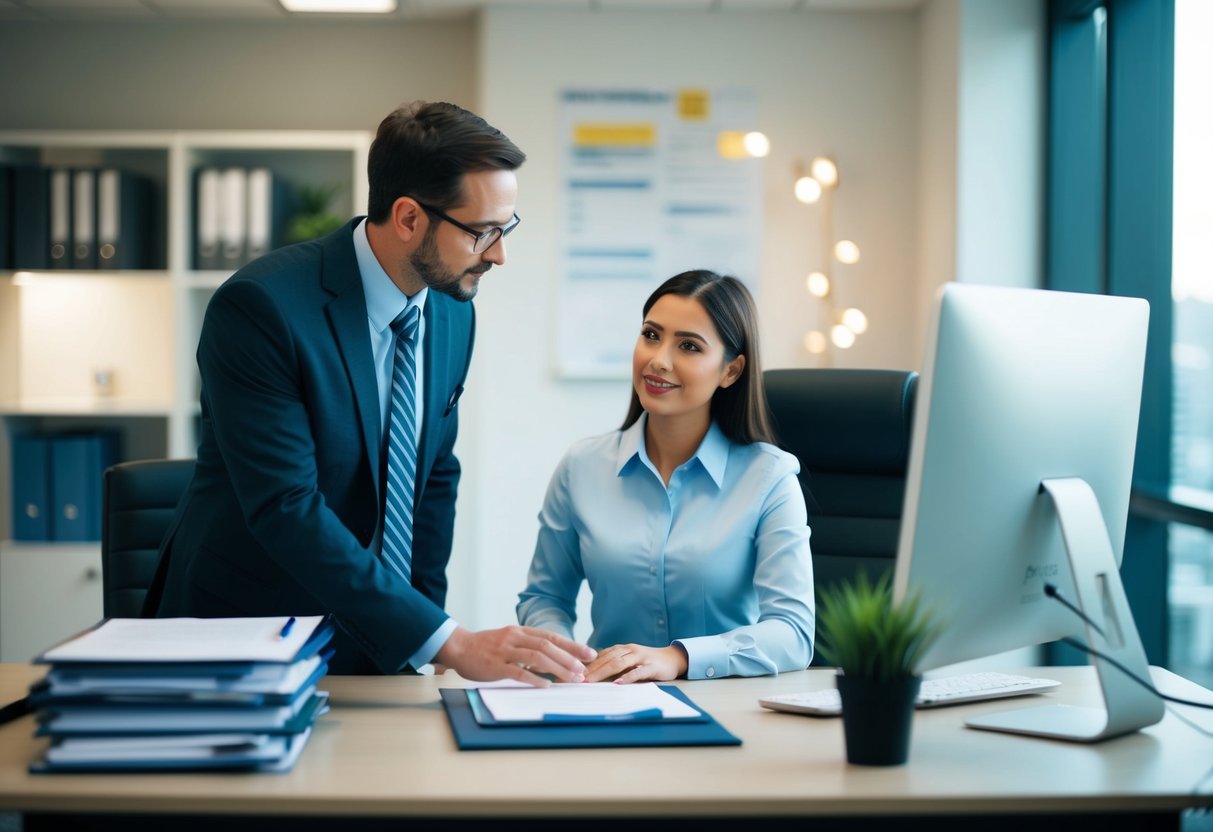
{"points": [[472, 736]]}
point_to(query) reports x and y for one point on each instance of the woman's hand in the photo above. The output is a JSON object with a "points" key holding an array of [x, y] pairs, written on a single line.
{"points": [[624, 663]]}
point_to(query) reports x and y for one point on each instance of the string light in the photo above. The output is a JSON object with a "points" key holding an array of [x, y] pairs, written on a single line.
{"points": [[817, 186]]}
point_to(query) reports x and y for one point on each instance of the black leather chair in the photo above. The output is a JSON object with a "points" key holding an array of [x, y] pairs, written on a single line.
{"points": [[850, 429], [139, 500]]}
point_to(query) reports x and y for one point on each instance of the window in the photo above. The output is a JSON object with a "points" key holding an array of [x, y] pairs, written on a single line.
{"points": [[1190, 584]]}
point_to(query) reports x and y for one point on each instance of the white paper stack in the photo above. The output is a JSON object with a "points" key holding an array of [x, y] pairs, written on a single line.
{"points": [[182, 694]]}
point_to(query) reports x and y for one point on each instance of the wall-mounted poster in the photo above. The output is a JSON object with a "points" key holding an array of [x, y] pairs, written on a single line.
{"points": [[651, 189]]}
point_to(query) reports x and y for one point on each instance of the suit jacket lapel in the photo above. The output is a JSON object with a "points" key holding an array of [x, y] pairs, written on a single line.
{"points": [[437, 330], [348, 317]]}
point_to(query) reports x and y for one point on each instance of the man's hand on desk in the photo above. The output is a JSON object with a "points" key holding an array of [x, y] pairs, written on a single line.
{"points": [[525, 654], [625, 663]]}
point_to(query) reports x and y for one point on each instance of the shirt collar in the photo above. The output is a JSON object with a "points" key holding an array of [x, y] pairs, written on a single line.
{"points": [[384, 300], [712, 454]]}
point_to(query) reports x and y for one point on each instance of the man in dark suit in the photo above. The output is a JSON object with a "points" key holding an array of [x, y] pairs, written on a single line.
{"points": [[285, 513]]}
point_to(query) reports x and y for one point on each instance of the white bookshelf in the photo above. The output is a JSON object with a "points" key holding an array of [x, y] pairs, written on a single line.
{"points": [[58, 328]]}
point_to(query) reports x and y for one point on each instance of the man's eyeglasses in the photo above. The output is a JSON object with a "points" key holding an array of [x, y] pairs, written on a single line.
{"points": [[486, 239]]}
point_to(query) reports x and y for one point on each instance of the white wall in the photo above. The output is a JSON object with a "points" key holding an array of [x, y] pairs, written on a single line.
{"points": [[839, 84], [254, 74], [940, 51], [1000, 159], [982, 146]]}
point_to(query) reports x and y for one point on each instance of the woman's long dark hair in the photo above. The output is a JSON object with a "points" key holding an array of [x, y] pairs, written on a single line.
{"points": [[741, 408]]}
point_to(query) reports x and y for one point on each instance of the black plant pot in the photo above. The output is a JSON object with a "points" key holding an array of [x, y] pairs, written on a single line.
{"points": [[876, 718]]}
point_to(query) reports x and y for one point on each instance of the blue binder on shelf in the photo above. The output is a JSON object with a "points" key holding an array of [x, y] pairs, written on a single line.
{"points": [[471, 735], [77, 463], [31, 217], [31, 487]]}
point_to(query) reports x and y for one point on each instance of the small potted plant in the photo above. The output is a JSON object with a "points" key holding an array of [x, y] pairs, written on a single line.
{"points": [[876, 646]]}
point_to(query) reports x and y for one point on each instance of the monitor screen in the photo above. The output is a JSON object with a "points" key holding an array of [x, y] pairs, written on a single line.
{"points": [[1023, 388]]}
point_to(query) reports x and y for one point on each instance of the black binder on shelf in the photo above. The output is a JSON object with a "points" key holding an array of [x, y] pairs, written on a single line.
{"points": [[31, 487], [206, 219], [233, 218], [267, 198], [31, 217], [124, 206], [77, 463], [6, 217], [60, 253], [84, 219]]}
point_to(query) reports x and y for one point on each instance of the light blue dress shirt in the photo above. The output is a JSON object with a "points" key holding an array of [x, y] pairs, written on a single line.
{"points": [[385, 301], [718, 562]]}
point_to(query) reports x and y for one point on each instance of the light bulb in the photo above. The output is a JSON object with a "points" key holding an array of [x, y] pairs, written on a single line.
{"points": [[818, 285], [815, 342], [756, 144], [824, 171], [854, 320], [846, 252], [344, 6], [842, 337], [808, 190]]}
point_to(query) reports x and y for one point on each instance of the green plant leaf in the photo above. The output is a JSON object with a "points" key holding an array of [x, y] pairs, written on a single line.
{"points": [[862, 632], [313, 218]]}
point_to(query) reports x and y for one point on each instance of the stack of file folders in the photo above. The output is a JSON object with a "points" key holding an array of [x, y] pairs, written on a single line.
{"points": [[182, 694]]}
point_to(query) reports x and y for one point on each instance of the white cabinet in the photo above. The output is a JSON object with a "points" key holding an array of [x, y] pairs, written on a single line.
{"points": [[47, 593], [115, 349]]}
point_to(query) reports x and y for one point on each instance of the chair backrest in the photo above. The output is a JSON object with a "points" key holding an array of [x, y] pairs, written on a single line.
{"points": [[850, 429], [139, 501]]}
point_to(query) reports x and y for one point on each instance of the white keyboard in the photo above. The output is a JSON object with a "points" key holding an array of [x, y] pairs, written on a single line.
{"points": [[944, 690]]}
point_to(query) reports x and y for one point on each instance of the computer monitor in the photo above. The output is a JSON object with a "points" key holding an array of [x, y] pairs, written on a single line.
{"points": [[1021, 461]]}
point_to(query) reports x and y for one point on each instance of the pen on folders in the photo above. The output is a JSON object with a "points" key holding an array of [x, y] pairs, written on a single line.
{"points": [[646, 714], [287, 627], [15, 710]]}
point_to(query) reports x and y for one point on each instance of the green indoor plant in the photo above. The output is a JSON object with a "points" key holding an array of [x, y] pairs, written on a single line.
{"points": [[312, 218], [877, 646]]}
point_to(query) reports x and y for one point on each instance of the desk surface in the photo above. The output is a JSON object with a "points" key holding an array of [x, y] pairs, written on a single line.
{"points": [[386, 749]]}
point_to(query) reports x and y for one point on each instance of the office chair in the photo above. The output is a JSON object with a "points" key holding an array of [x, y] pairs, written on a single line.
{"points": [[850, 429], [139, 500]]}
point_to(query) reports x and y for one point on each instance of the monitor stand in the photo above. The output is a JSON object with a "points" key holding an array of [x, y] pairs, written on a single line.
{"points": [[1110, 629]]}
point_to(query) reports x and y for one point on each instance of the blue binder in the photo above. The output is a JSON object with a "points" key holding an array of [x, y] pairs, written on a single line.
{"points": [[471, 735], [77, 463], [31, 487]]}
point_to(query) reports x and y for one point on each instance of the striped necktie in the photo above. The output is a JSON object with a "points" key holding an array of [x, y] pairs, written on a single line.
{"points": [[402, 447]]}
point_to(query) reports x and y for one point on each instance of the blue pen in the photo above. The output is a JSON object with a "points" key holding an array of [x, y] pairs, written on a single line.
{"points": [[647, 714], [286, 628]]}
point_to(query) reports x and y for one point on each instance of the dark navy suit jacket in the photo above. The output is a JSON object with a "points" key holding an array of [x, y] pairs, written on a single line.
{"points": [[287, 493]]}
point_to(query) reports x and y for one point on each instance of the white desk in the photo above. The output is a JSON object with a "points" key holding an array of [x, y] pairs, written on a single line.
{"points": [[386, 751]]}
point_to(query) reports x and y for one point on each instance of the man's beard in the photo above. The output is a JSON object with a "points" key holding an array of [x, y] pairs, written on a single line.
{"points": [[430, 268]]}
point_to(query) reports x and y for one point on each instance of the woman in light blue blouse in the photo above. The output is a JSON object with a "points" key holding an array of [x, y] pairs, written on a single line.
{"points": [[688, 523]]}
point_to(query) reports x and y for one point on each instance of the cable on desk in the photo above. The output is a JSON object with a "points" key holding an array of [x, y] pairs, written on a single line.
{"points": [[1051, 591]]}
